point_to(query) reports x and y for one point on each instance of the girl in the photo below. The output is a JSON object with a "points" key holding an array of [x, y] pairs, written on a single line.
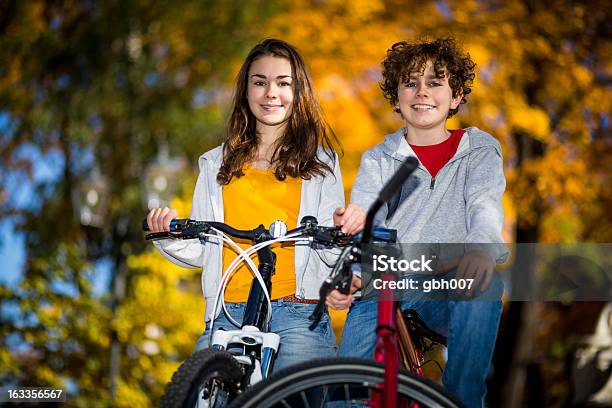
{"points": [[277, 163]]}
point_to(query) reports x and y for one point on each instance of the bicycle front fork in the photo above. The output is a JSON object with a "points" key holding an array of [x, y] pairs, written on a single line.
{"points": [[249, 337]]}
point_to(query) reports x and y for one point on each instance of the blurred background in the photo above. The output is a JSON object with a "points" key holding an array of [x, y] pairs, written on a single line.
{"points": [[105, 107]]}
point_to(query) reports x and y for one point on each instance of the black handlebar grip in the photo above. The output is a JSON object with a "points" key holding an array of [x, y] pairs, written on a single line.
{"points": [[174, 224], [405, 170]]}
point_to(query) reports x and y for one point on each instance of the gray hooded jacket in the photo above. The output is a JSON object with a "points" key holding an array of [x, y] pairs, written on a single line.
{"points": [[320, 196], [462, 204]]}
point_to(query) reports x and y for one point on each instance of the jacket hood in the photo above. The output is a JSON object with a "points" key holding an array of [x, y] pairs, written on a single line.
{"points": [[216, 156], [475, 139]]}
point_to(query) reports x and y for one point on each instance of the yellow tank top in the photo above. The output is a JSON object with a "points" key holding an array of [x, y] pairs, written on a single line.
{"points": [[259, 198]]}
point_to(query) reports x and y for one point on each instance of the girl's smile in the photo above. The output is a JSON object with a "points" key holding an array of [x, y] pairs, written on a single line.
{"points": [[270, 92]]}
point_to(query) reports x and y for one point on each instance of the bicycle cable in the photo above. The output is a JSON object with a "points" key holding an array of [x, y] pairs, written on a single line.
{"points": [[244, 256], [221, 290]]}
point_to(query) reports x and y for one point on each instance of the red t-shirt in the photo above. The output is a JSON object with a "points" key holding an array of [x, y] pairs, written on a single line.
{"points": [[434, 157]]}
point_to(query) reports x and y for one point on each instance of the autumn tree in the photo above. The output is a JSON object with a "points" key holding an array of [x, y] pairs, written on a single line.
{"points": [[542, 89], [95, 88], [101, 85]]}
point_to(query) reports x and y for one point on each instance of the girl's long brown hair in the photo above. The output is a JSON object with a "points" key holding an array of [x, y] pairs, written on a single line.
{"points": [[295, 154]]}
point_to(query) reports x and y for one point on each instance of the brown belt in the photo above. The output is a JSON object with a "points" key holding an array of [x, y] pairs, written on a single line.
{"points": [[292, 298]]}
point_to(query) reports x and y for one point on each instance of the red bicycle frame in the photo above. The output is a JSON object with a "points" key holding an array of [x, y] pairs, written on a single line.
{"points": [[386, 350], [390, 327]]}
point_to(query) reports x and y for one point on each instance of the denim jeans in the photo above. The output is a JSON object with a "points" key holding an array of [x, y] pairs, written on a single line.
{"points": [[470, 326], [290, 321]]}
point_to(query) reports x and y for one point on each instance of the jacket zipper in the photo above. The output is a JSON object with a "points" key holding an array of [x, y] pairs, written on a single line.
{"points": [[433, 182]]}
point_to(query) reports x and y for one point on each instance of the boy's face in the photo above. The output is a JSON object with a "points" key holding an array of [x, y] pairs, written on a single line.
{"points": [[426, 99]]}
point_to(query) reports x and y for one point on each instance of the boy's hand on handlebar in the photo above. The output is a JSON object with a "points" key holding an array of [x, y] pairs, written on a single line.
{"points": [[351, 218], [476, 265], [159, 219], [340, 301]]}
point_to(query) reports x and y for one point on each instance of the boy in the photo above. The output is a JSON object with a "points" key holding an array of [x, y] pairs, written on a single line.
{"points": [[454, 196]]}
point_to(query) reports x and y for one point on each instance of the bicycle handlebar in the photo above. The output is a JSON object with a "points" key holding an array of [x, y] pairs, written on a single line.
{"points": [[341, 276], [188, 229]]}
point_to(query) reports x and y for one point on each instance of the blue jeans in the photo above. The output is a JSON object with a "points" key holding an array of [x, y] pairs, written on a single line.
{"points": [[470, 326], [290, 321]]}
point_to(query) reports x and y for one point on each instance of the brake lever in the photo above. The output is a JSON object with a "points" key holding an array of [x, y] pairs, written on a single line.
{"points": [[341, 282], [154, 236], [193, 230], [331, 236], [316, 315]]}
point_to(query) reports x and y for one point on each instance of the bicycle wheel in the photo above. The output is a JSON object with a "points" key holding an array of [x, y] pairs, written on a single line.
{"points": [[340, 382], [209, 378]]}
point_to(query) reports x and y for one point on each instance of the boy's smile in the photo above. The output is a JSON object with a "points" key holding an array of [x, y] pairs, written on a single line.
{"points": [[425, 100], [423, 106]]}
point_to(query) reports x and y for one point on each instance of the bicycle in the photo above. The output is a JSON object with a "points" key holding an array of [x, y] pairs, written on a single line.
{"points": [[402, 337], [238, 358]]}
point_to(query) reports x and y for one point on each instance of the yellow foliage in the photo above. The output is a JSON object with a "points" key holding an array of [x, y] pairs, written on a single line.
{"points": [[599, 100], [532, 120], [490, 113], [453, 123], [46, 375], [154, 262], [479, 53], [145, 363], [349, 174], [561, 226], [343, 113], [509, 218], [130, 395], [48, 315], [163, 372], [182, 206], [582, 76]]}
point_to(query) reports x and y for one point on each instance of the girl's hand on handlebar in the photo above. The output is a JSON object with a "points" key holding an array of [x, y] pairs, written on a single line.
{"points": [[159, 219], [351, 218], [340, 301]]}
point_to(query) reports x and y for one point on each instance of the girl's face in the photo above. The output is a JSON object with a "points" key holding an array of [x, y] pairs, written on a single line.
{"points": [[425, 99], [270, 91]]}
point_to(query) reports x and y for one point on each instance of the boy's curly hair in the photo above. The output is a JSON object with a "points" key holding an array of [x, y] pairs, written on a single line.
{"points": [[404, 58]]}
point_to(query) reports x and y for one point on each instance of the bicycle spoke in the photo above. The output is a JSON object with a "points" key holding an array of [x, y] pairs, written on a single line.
{"points": [[304, 399], [325, 395]]}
